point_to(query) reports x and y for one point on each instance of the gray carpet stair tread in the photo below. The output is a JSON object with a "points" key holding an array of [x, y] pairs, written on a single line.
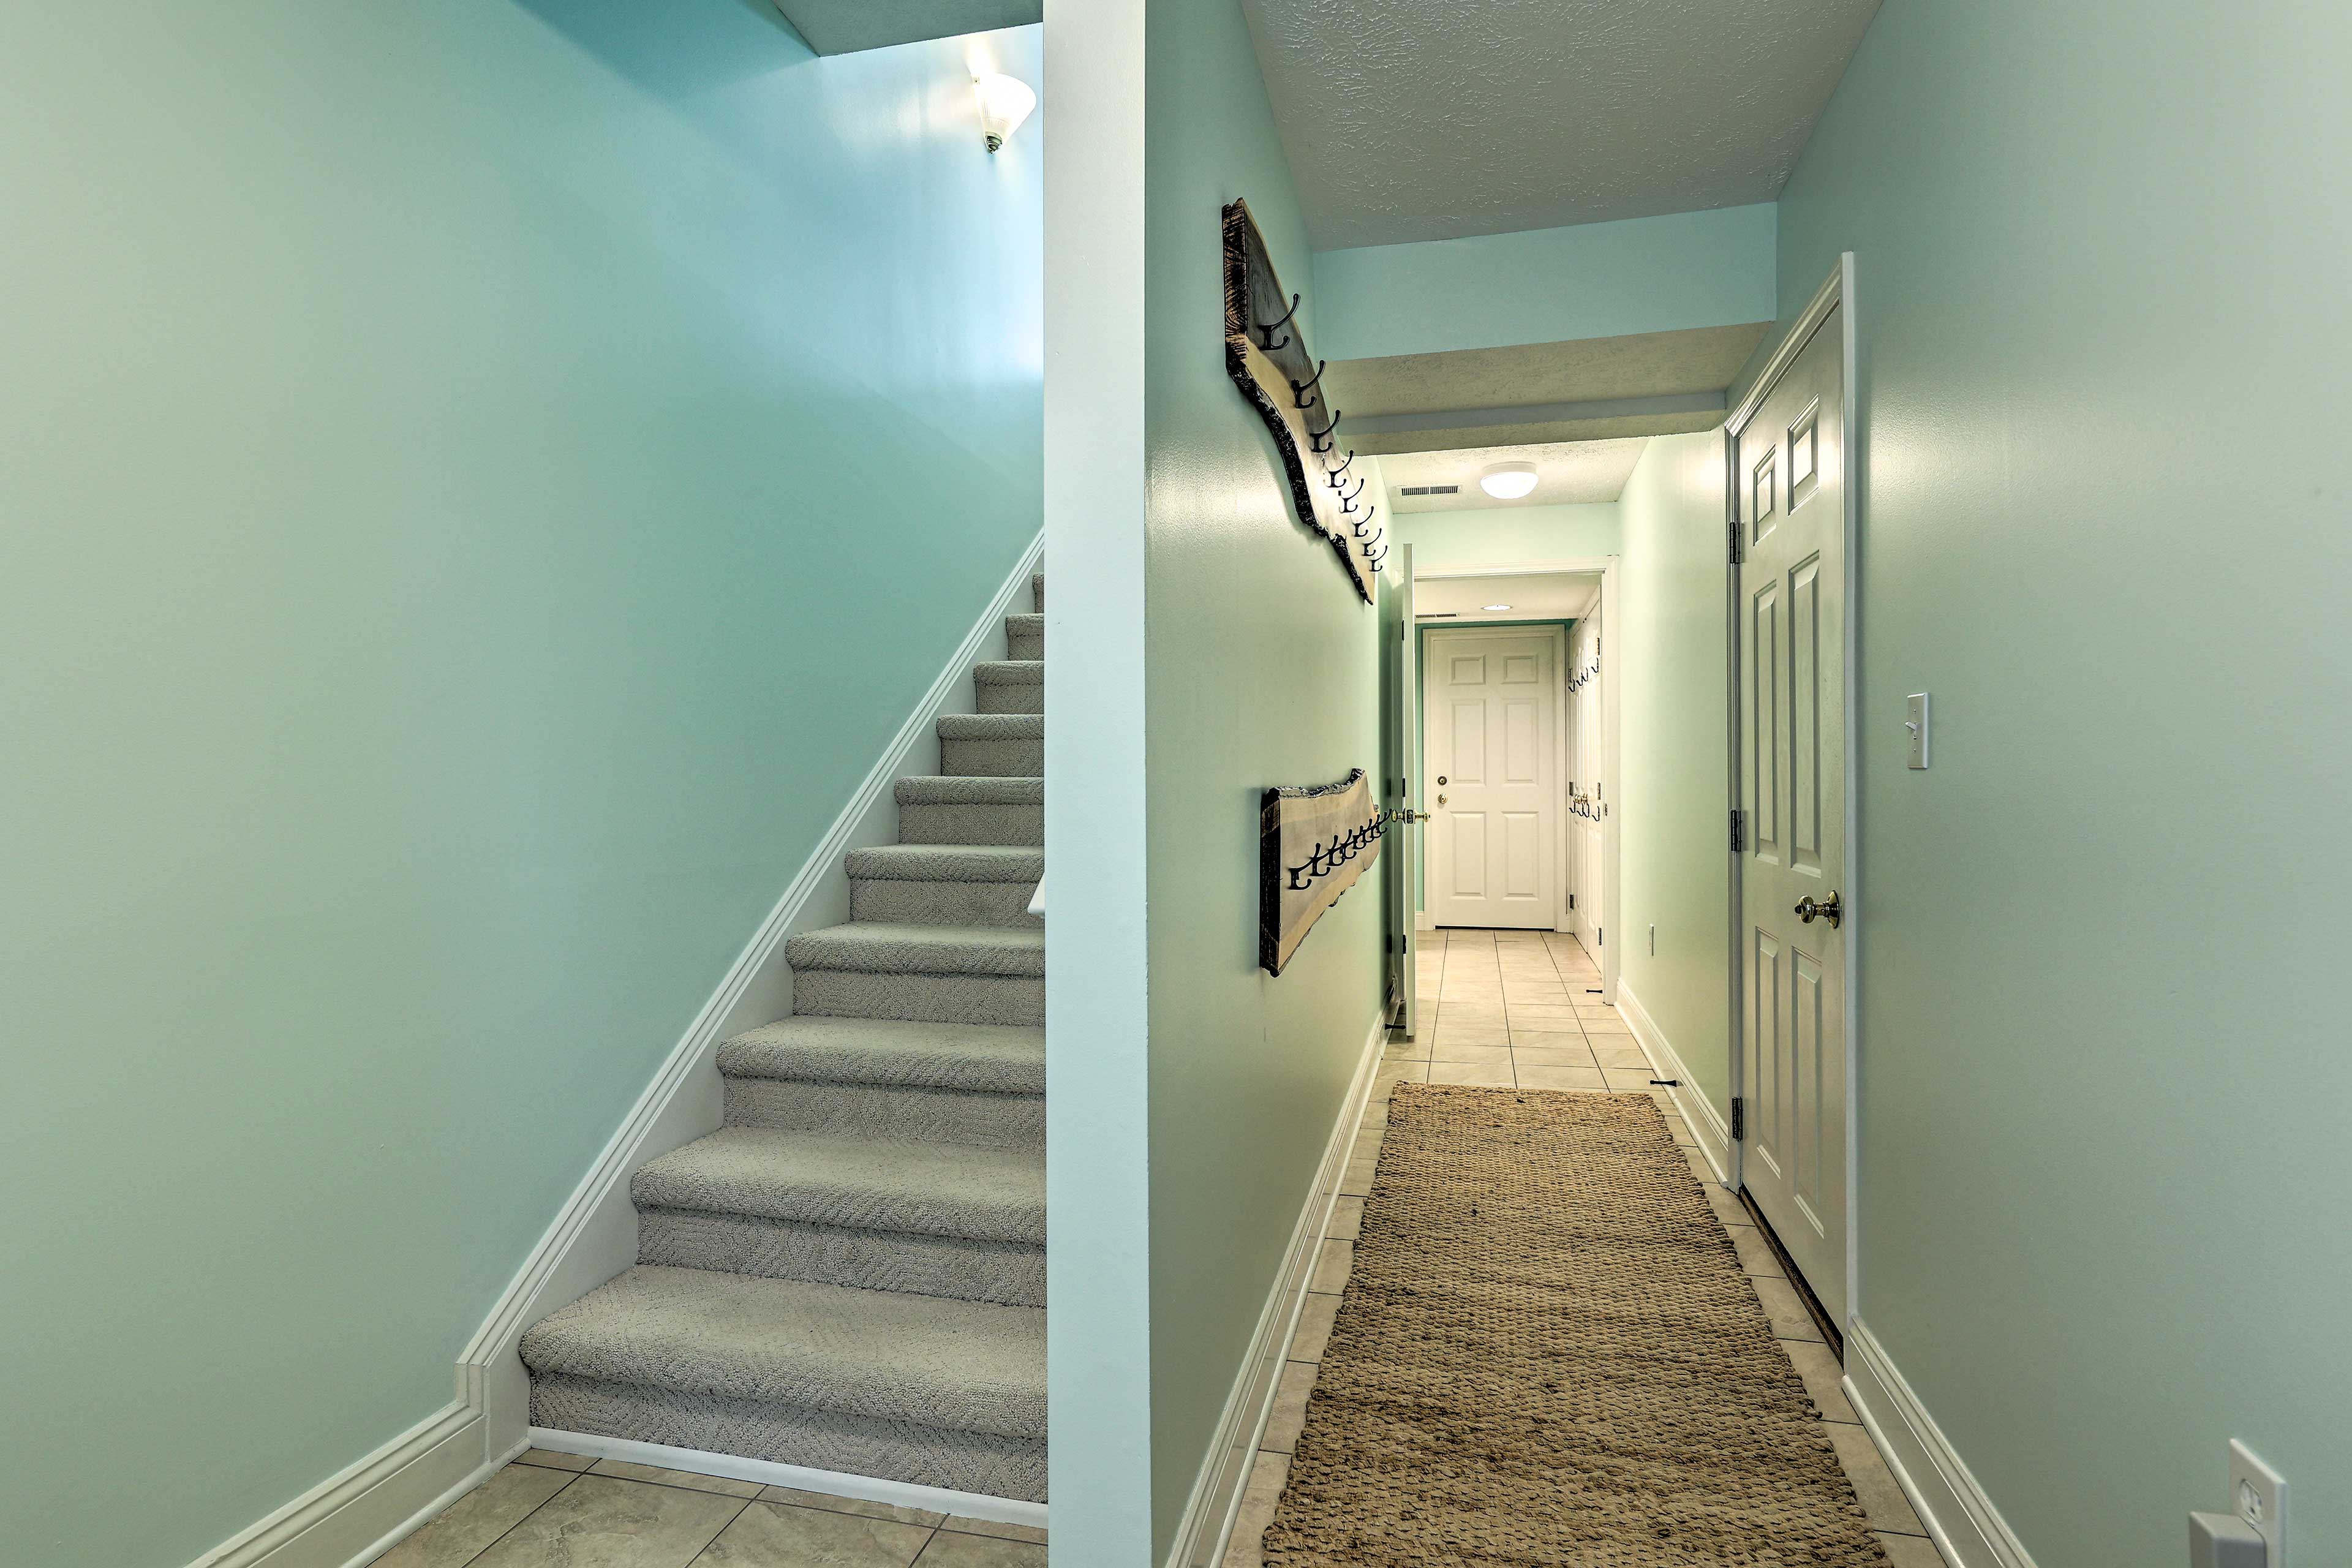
{"points": [[927, 789], [992, 726], [1029, 622], [881, 947], [1009, 672], [991, 1057], [969, 1366], [857, 1183], [948, 863]]}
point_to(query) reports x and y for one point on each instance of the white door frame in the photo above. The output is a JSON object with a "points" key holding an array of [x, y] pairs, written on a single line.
{"points": [[1836, 290], [1557, 635], [1605, 568]]}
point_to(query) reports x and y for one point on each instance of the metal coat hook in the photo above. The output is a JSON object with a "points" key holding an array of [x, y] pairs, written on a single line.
{"points": [[1318, 439], [1348, 499], [1268, 327], [1300, 389], [1333, 474]]}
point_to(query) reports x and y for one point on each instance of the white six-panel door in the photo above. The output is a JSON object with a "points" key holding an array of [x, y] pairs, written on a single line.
{"points": [[1491, 709], [1787, 466]]}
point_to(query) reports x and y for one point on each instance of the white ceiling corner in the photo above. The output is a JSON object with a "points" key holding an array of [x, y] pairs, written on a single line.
{"points": [[1415, 119]]}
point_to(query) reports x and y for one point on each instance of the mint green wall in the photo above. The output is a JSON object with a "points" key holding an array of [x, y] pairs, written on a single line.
{"points": [[1547, 286], [485, 482], [1506, 535], [1262, 671], [1674, 866], [2100, 291]]}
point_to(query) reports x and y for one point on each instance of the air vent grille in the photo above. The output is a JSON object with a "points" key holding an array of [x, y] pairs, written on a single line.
{"points": [[1430, 491]]}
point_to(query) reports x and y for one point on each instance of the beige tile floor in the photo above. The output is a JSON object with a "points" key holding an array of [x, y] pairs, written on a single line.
{"points": [[558, 1510], [1523, 1009]]}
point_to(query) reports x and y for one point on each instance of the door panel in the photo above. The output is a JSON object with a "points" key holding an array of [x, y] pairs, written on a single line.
{"points": [[1790, 455], [1400, 778], [1494, 818], [1467, 829]]}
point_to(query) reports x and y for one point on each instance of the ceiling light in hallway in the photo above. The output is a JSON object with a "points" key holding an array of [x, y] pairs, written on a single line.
{"points": [[1004, 102], [1507, 481], [1494, 607]]}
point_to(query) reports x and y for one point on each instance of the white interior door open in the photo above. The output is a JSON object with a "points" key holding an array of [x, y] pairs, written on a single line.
{"points": [[1491, 707], [1788, 469], [1588, 793]]}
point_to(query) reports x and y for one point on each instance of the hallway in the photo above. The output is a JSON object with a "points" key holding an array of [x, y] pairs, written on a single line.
{"points": [[1522, 1009]]}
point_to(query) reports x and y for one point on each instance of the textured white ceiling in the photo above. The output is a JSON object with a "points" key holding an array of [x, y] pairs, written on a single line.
{"points": [[1525, 596], [1411, 120], [1566, 472]]}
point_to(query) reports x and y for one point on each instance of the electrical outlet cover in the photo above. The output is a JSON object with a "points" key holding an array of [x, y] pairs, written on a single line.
{"points": [[2258, 1496]]}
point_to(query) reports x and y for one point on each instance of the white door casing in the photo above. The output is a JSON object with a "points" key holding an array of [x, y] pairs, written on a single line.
{"points": [[1786, 463], [1491, 706]]}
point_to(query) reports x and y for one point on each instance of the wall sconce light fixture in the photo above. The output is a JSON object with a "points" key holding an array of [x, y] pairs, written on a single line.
{"points": [[1004, 102]]}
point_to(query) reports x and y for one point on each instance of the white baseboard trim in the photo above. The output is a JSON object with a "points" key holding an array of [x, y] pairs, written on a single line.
{"points": [[360, 1512], [355, 1515], [831, 1483], [1968, 1529], [594, 1236], [1707, 1124], [1208, 1518]]}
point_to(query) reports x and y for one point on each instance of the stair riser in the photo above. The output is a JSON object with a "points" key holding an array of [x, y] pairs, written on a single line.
{"points": [[944, 904], [789, 1435], [1019, 824], [949, 1266], [1024, 759], [1025, 642], [1003, 698], [888, 1111]]}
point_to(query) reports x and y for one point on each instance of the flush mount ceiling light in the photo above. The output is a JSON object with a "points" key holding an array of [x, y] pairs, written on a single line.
{"points": [[1507, 481], [1494, 607], [1004, 102]]}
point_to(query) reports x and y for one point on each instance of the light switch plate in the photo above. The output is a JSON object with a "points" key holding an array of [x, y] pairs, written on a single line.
{"points": [[2258, 1496], [1915, 719]]}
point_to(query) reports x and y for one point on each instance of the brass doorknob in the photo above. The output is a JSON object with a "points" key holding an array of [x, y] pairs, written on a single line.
{"points": [[1829, 908], [1441, 800]]}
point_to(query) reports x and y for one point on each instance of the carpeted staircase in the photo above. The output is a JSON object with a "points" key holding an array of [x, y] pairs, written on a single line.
{"points": [[850, 1275]]}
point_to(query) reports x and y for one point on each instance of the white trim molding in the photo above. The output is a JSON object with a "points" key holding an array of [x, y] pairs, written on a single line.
{"points": [[360, 1512], [357, 1514], [1705, 1123], [799, 1477], [1968, 1529], [1208, 1514], [594, 1236]]}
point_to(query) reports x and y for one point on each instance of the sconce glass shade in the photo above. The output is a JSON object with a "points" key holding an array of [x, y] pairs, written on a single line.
{"points": [[1507, 481], [1004, 102]]}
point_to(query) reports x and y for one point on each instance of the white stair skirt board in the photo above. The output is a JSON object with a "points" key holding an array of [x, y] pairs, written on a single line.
{"points": [[1705, 1123], [362, 1511], [1966, 1528], [594, 1236], [1208, 1518], [357, 1514], [832, 1483]]}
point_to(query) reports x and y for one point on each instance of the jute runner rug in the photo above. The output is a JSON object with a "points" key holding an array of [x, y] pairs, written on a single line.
{"points": [[1546, 1354]]}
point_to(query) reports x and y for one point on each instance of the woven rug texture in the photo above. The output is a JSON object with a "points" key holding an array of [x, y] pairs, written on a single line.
{"points": [[1547, 1353]]}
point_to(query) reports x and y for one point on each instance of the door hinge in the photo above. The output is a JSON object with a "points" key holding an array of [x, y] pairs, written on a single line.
{"points": [[1731, 539], [1738, 1119], [1601, 936], [1739, 831], [1571, 900]]}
